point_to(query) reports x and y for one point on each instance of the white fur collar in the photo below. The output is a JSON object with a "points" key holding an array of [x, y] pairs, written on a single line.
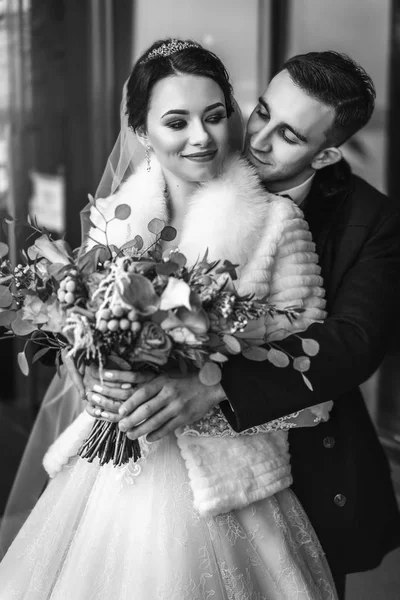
{"points": [[226, 215]]}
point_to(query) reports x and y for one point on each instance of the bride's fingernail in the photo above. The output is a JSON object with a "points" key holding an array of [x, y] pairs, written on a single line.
{"points": [[97, 388], [109, 375], [97, 412], [105, 415], [125, 386], [96, 398], [122, 426], [122, 411]]}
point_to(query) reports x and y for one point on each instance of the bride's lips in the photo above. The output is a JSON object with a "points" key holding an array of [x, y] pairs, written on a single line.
{"points": [[201, 156]]}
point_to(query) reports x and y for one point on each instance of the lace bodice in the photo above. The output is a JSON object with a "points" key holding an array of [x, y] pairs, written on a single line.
{"points": [[215, 424]]}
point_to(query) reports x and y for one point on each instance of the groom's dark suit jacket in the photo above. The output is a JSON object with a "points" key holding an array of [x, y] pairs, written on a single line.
{"points": [[340, 472]]}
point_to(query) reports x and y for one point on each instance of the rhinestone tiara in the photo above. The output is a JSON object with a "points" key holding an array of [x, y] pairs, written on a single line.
{"points": [[167, 49]]}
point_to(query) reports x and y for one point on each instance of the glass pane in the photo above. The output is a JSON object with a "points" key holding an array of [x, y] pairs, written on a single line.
{"points": [[361, 30], [214, 25]]}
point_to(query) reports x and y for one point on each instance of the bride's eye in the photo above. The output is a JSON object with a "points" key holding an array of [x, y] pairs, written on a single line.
{"points": [[178, 124], [215, 119]]}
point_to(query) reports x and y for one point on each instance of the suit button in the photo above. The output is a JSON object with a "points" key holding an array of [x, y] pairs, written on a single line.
{"points": [[329, 442], [340, 500]]}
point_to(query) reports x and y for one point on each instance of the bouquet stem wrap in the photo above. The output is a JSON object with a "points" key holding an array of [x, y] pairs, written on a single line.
{"points": [[106, 442]]}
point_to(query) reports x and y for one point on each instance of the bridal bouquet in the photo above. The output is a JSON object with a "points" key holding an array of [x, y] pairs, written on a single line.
{"points": [[132, 308]]}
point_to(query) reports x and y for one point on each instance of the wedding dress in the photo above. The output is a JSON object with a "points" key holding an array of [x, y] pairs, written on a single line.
{"points": [[142, 531]]}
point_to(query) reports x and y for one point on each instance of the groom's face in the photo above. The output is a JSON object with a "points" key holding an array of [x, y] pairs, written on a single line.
{"points": [[285, 133]]}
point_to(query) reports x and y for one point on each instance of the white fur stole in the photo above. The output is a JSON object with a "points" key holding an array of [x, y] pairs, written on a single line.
{"points": [[235, 219]]}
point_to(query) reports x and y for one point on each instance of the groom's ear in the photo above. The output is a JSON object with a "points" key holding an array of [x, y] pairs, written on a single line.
{"points": [[326, 157]]}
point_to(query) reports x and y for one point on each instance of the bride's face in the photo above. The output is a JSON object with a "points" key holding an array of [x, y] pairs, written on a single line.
{"points": [[187, 126]]}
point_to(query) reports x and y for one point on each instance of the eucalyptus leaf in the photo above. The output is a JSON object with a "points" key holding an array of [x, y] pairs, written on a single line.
{"points": [[156, 255], [210, 374], [179, 259], [122, 212], [214, 341], [137, 243], [3, 249], [21, 327], [301, 363], [7, 317], [23, 363], [256, 353], [6, 297], [168, 233], [156, 226], [278, 358], [218, 357], [310, 347], [232, 344]]}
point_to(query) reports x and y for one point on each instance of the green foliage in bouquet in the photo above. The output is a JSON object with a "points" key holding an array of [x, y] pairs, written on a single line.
{"points": [[131, 308]]}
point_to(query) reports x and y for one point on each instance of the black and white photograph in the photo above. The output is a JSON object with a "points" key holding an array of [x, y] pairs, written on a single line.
{"points": [[199, 292]]}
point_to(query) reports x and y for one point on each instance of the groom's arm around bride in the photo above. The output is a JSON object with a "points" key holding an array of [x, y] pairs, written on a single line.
{"points": [[340, 472]]}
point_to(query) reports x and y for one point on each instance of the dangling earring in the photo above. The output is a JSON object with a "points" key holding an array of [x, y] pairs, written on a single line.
{"points": [[148, 158]]}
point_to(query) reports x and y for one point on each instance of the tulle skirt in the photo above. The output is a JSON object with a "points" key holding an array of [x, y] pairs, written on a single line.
{"points": [[100, 533], [60, 407]]}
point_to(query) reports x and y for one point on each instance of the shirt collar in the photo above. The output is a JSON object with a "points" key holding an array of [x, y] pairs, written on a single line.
{"points": [[298, 193]]}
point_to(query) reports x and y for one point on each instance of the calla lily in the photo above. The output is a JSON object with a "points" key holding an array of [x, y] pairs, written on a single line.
{"points": [[54, 252], [175, 295], [139, 292], [195, 320]]}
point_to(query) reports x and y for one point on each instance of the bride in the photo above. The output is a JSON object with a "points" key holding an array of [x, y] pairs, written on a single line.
{"points": [[190, 521]]}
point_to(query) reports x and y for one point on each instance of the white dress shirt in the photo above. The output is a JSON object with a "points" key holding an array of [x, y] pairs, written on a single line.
{"points": [[300, 192]]}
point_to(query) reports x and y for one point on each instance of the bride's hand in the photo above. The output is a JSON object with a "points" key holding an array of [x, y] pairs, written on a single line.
{"points": [[104, 398]]}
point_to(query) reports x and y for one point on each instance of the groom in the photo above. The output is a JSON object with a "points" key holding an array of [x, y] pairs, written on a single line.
{"points": [[341, 476]]}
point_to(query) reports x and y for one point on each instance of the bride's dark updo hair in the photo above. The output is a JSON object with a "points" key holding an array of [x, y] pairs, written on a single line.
{"points": [[171, 57]]}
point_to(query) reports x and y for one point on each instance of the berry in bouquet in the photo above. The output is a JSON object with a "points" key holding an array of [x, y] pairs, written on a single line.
{"points": [[134, 308]]}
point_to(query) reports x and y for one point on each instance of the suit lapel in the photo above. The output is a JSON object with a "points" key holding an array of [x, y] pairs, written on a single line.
{"points": [[324, 204]]}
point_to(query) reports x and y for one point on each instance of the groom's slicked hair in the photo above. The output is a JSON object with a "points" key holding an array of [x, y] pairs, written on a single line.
{"points": [[337, 81]]}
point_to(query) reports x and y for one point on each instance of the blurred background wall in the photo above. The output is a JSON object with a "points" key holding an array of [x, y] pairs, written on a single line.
{"points": [[62, 67]]}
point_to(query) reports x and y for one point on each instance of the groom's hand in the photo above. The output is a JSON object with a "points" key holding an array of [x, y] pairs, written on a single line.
{"points": [[168, 402]]}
